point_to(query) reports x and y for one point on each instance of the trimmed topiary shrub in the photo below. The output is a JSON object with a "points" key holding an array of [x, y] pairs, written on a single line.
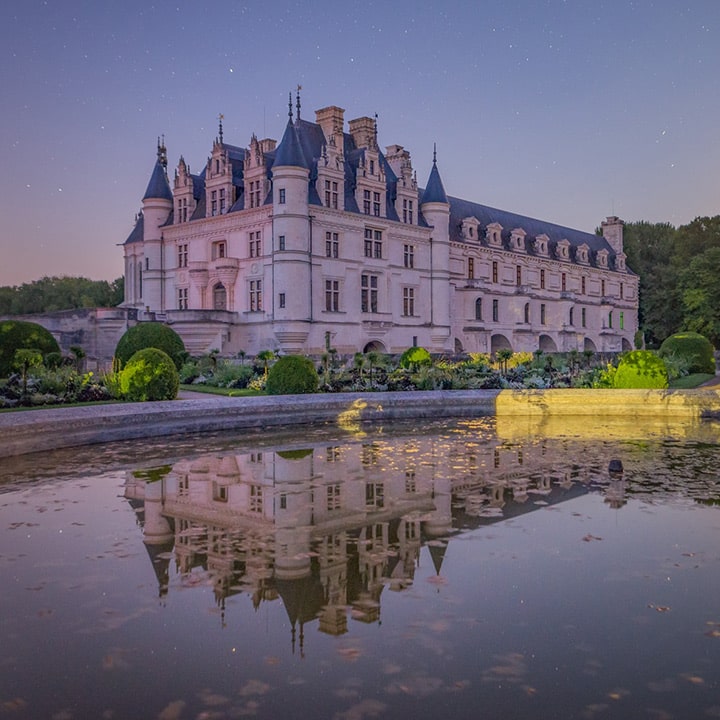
{"points": [[414, 357], [292, 375], [151, 335], [150, 374], [21, 335], [641, 369], [694, 348]]}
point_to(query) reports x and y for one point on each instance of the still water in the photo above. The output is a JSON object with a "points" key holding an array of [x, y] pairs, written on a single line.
{"points": [[462, 569]]}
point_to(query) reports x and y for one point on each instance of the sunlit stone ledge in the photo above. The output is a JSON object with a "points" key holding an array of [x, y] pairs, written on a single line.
{"points": [[528, 411]]}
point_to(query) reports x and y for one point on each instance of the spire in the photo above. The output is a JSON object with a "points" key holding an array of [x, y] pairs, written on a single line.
{"points": [[299, 88], [220, 127], [159, 187], [434, 192], [289, 151]]}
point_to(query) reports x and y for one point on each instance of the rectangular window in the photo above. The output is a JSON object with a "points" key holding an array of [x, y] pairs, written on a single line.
{"points": [[281, 196], [376, 204], [213, 203], [281, 242], [495, 271], [332, 244], [407, 211], [281, 300], [368, 293], [518, 275], [496, 310], [255, 295], [222, 200], [610, 319], [182, 298], [283, 502], [332, 295], [622, 320], [582, 317], [366, 202], [331, 194], [582, 285], [255, 244], [373, 243], [602, 288], [563, 282], [182, 255], [542, 279], [471, 268], [333, 497], [409, 256], [218, 250], [408, 301], [256, 499], [542, 313], [220, 492], [327, 193], [374, 495], [622, 291]]}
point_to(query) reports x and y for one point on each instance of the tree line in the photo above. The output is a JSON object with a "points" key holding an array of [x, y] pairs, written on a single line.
{"points": [[679, 270], [60, 293]]}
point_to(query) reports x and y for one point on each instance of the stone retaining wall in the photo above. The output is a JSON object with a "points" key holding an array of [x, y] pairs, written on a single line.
{"points": [[39, 430]]}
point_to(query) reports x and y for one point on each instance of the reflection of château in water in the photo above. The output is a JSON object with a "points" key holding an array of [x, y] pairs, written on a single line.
{"points": [[327, 529]]}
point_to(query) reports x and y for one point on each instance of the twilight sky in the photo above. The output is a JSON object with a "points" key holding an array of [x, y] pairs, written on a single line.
{"points": [[565, 110]]}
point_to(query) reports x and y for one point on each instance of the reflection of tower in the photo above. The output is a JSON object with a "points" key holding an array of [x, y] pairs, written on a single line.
{"points": [[615, 492], [332, 552], [439, 522], [372, 557], [408, 551], [157, 529]]}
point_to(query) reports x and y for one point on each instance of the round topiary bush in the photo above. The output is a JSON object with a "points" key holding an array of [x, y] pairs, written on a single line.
{"points": [[151, 335], [692, 347], [413, 357], [150, 374], [20, 335], [641, 369], [292, 375]]}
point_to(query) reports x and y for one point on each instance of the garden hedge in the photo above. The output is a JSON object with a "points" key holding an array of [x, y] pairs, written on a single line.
{"points": [[692, 347]]}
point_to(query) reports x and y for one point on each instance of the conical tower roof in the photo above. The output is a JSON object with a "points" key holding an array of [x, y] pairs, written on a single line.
{"points": [[434, 191], [158, 187], [289, 151]]}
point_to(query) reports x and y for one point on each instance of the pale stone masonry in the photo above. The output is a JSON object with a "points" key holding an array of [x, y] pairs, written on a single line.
{"points": [[325, 241]]}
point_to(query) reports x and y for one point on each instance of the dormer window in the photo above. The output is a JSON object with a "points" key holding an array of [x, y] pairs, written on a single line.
{"points": [[407, 211], [563, 249], [517, 240], [620, 262], [582, 254], [541, 245], [602, 258], [493, 234], [469, 228]]}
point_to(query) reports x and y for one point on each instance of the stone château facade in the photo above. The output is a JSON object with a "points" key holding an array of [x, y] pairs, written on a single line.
{"points": [[324, 240]]}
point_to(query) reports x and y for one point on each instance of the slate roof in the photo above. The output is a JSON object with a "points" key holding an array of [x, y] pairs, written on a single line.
{"points": [[158, 187], [137, 234], [434, 192], [289, 152], [461, 209]]}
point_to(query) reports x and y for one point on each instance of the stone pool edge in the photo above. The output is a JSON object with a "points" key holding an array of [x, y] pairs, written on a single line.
{"points": [[50, 429]]}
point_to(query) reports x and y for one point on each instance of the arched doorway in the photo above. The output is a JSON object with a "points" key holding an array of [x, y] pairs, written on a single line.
{"points": [[499, 342], [459, 349], [626, 346], [219, 297], [589, 345], [374, 346], [547, 344]]}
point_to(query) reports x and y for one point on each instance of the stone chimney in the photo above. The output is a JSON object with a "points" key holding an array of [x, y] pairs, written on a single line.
{"points": [[363, 132], [331, 120], [612, 231]]}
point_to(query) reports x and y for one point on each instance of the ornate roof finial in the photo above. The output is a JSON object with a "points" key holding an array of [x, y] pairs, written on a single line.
{"points": [[375, 130], [290, 105], [299, 88], [434, 153], [220, 127], [162, 151]]}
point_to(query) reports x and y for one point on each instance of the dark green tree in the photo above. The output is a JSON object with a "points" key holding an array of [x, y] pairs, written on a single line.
{"points": [[699, 286]]}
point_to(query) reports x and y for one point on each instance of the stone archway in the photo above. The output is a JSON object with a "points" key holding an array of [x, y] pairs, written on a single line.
{"points": [[547, 344], [626, 346], [588, 344], [499, 342], [374, 346], [459, 349]]}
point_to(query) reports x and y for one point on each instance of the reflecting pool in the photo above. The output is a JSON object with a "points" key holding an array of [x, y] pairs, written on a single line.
{"points": [[459, 569]]}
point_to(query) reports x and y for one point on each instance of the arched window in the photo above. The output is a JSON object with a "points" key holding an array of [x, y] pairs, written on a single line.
{"points": [[219, 297], [572, 316], [478, 309], [527, 313]]}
